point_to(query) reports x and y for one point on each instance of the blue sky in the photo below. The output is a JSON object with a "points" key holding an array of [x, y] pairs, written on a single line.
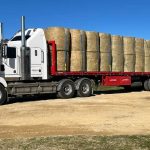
{"points": [[123, 17]]}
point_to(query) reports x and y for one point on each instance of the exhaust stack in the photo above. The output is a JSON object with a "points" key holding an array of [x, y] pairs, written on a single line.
{"points": [[1, 41], [23, 31], [25, 54], [1, 32]]}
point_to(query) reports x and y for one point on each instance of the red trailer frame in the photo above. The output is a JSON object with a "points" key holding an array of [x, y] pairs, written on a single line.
{"points": [[108, 78]]}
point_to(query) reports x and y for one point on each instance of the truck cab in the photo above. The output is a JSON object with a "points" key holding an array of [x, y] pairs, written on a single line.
{"points": [[37, 45], [24, 63]]}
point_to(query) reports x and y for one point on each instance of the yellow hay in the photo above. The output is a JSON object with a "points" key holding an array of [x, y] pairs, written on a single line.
{"points": [[147, 55], [117, 53], [139, 55], [105, 52]]}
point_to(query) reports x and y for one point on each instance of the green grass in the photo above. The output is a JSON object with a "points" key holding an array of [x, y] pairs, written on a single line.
{"points": [[78, 143]]}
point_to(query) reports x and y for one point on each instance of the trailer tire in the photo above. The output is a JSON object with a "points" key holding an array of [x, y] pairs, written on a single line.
{"points": [[3, 95], [66, 89], [146, 85], [149, 84], [84, 88]]}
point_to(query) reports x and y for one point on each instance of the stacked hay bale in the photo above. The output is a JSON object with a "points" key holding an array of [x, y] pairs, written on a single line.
{"points": [[117, 53], [93, 52], [105, 52], [129, 54], [139, 55], [62, 38], [147, 55], [78, 53]]}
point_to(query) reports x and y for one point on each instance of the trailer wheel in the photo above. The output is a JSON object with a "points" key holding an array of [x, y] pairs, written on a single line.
{"points": [[84, 88], [3, 95], [146, 85], [66, 89], [149, 84]]}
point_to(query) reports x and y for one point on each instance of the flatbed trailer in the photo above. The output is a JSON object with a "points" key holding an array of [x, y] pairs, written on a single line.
{"points": [[105, 78]]}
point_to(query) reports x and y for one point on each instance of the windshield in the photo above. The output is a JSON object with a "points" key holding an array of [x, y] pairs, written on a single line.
{"points": [[18, 38]]}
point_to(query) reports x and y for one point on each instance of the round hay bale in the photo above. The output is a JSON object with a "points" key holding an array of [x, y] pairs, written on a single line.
{"points": [[92, 61], [76, 61], [147, 47], [128, 44], [129, 54], [139, 63], [105, 52], [61, 36], [117, 63], [92, 51], [75, 40], [139, 45], [105, 62], [60, 62], [147, 63], [129, 63], [78, 50], [139, 55], [56, 34], [117, 53], [83, 49], [147, 55], [92, 41], [105, 42], [117, 44]]}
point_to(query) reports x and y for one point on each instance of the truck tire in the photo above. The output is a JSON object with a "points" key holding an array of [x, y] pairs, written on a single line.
{"points": [[149, 84], [84, 87], [146, 85], [66, 89], [3, 95]]}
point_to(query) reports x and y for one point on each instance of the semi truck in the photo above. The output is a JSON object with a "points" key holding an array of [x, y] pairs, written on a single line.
{"points": [[25, 69]]}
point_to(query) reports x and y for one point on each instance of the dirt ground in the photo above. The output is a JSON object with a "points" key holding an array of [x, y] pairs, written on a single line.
{"points": [[103, 114]]}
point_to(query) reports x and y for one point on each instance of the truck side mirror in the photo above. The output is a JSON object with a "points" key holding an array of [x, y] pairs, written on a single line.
{"points": [[9, 52]]}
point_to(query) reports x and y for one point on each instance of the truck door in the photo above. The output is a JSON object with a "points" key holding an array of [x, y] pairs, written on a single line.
{"points": [[36, 62], [11, 62]]}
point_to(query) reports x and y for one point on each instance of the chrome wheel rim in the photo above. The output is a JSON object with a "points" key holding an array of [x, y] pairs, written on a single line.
{"points": [[68, 89], [85, 88], [0, 95]]}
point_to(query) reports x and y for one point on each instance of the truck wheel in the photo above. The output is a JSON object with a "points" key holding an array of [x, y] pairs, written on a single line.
{"points": [[3, 95], [66, 89], [84, 88], [149, 84], [146, 86]]}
